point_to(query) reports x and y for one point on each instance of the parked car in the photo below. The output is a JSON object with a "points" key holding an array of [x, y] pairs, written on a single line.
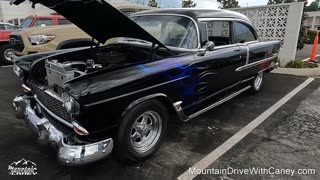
{"points": [[43, 39], [6, 51], [5, 48], [42, 21], [168, 64]]}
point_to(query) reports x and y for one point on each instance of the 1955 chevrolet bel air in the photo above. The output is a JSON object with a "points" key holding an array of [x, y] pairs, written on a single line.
{"points": [[160, 65]]}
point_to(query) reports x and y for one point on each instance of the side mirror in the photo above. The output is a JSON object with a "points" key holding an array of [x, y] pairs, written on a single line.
{"points": [[209, 46]]}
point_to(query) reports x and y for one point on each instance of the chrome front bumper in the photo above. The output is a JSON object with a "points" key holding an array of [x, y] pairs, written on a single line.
{"points": [[67, 154]]}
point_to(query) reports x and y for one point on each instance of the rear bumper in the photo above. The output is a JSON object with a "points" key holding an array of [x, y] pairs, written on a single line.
{"points": [[67, 154]]}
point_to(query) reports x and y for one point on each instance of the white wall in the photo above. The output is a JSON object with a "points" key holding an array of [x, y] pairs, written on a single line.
{"points": [[278, 22]]}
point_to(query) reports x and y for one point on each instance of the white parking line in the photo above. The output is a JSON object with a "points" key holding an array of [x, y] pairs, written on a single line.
{"points": [[307, 59], [6, 66], [214, 155]]}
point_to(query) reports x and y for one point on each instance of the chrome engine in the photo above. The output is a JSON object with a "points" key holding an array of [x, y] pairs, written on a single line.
{"points": [[59, 73]]}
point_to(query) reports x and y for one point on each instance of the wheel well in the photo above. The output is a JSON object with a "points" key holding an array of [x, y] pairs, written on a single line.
{"points": [[168, 104], [163, 99]]}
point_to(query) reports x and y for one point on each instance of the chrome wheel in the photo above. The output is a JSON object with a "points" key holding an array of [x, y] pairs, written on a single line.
{"points": [[258, 81], [9, 54], [146, 131]]}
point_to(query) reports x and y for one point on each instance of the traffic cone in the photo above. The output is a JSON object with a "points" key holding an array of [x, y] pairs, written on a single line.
{"points": [[313, 57]]}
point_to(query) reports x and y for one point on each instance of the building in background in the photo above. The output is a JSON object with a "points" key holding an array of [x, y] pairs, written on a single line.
{"points": [[16, 14], [313, 20]]}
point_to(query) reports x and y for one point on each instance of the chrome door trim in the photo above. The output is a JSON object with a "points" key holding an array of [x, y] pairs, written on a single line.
{"points": [[218, 103], [247, 66]]}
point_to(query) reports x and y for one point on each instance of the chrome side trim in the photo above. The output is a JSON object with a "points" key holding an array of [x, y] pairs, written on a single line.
{"points": [[247, 66], [218, 103], [52, 114], [220, 91], [246, 80], [128, 94], [180, 15], [248, 55]]}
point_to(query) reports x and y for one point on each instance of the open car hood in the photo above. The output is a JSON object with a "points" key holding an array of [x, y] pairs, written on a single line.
{"points": [[97, 18]]}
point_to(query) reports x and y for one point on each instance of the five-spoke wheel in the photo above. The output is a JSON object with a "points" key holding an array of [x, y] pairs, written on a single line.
{"points": [[142, 131]]}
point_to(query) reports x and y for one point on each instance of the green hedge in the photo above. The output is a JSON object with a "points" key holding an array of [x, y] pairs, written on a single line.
{"points": [[311, 35]]}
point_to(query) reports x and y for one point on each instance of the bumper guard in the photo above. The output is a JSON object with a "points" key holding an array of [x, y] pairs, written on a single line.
{"points": [[71, 155]]}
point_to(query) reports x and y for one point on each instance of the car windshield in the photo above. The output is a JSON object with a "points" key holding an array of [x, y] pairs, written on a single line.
{"points": [[26, 23], [170, 30]]}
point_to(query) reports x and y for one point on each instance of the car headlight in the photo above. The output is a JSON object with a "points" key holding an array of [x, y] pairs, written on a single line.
{"points": [[70, 104], [18, 71], [41, 39]]}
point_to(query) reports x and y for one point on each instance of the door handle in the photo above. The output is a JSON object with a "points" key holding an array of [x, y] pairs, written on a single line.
{"points": [[237, 50]]}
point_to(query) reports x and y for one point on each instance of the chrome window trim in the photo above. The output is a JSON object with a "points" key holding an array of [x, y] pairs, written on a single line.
{"points": [[232, 20], [224, 19], [179, 15]]}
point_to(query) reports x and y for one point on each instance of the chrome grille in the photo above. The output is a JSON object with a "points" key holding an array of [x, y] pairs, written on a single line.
{"points": [[66, 130], [52, 104]]}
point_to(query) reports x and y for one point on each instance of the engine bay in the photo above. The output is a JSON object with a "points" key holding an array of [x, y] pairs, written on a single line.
{"points": [[65, 67], [59, 73]]}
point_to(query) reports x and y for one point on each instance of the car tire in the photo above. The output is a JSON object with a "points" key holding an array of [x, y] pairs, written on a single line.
{"points": [[141, 132], [257, 83], [7, 54]]}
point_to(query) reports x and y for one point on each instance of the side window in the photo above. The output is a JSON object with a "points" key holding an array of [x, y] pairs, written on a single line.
{"points": [[244, 33], [43, 22], [2, 27], [8, 27], [219, 32], [63, 21]]}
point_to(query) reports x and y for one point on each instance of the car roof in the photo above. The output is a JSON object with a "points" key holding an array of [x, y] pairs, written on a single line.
{"points": [[198, 13]]}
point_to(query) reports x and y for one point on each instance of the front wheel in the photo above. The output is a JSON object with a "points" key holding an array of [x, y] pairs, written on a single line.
{"points": [[257, 83], [142, 131]]}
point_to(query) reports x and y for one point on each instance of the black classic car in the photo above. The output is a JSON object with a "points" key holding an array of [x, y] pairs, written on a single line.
{"points": [[160, 66]]}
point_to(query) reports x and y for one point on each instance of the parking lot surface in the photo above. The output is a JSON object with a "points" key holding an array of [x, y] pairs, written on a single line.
{"points": [[289, 138]]}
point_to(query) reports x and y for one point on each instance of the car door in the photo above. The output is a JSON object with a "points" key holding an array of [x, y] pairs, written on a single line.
{"points": [[245, 35], [218, 67]]}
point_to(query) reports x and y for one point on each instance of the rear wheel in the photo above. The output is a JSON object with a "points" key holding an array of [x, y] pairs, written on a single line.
{"points": [[7, 54], [142, 131], [257, 83]]}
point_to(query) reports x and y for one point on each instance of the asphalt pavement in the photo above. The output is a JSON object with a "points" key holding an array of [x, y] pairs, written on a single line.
{"points": [[289, 138]]}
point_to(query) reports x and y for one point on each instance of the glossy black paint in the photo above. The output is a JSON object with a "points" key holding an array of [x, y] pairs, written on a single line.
{"points": [[188, 76]]}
